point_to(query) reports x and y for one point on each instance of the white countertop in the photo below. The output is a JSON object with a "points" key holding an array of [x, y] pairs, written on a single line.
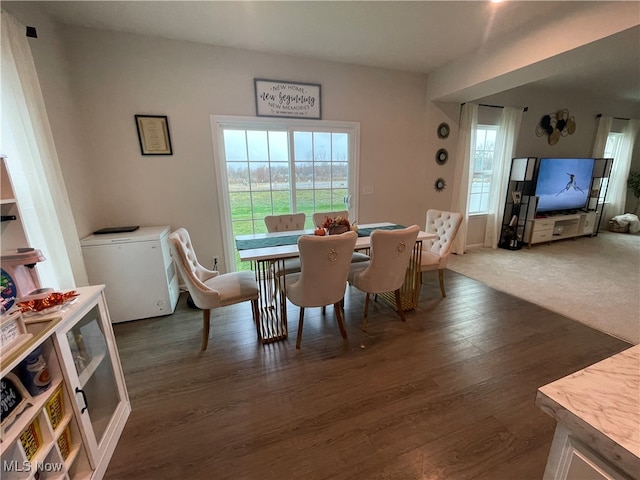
{"points": [[601, 405]]}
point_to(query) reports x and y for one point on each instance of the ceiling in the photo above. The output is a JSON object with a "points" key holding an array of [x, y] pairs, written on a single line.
{"points": [[415, 36]]}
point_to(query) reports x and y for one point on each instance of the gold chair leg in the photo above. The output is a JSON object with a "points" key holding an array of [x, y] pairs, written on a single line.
{"points": [[441, 277], [300, 324], [256, 316], [399, 305], [366, 312], [338, 310], [206, 316]]}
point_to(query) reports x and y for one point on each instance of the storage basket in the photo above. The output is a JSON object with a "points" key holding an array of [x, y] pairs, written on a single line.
{"points": [[616, 227]]}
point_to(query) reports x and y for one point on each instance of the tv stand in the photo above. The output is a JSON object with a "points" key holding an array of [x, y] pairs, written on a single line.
{"points": [[521, 221], [559, 227]]}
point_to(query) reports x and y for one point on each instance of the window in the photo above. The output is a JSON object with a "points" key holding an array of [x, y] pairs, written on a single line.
{"points": [[611, 149], [482, 169], [614, 139], [273, 167]]}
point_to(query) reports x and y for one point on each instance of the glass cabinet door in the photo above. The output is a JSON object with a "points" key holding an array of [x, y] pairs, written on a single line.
{"points": [[97, 392]]}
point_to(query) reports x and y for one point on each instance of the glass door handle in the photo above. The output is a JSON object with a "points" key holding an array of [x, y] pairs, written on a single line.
{"points": [[84, 397]]}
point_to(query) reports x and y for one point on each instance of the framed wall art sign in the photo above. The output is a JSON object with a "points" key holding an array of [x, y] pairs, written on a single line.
{"points": [[276, 98], [153, 135]]}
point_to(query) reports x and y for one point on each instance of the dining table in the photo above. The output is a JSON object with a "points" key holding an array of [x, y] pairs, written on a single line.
{"points": [[267, 253]]}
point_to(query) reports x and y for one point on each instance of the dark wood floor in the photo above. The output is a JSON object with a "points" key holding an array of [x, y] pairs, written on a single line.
{"points": [[447, 395]]}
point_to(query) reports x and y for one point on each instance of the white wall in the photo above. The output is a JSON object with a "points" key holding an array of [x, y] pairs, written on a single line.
{"points": [[540, 51], [583, 107], [115, 76]]}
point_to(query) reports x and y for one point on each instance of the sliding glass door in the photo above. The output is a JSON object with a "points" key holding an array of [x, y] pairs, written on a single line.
{"points": [[274, 166]]}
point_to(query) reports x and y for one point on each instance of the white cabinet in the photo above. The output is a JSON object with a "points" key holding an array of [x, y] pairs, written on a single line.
{"points": [[570, 459], [597, 411], [37, 441], [589, 225], [559, 227], [84, 364]]}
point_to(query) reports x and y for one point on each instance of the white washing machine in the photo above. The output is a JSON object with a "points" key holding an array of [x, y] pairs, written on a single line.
{"points": [[137, 269]]}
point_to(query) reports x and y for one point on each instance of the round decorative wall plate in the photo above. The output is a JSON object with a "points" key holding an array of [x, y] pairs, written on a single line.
{"points": [[440, 184], [442, 156], [443, 130]]}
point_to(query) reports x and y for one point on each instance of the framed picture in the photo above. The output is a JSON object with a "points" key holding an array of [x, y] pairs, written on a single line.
{"points": [[153, 134], [276, 98], [517, 196]]}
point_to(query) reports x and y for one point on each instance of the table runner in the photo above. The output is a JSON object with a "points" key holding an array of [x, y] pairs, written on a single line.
{"points": [[281, 240]]}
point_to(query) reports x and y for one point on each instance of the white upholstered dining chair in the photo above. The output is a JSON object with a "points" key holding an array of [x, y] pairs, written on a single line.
{"points": [[285, 223], [208, 288], [322, 280], [385, 272], [435, 253], [320, 217], [318, 220]]}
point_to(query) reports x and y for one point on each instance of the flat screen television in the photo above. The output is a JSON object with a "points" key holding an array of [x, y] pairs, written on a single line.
{"points": [[563, 184]]}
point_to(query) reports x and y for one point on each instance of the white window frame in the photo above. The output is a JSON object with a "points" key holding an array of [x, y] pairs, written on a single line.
{"points": [[220, 122], [614, 139], [472, 171], [611, 150]]}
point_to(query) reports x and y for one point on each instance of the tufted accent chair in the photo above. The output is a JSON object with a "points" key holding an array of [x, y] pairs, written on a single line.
{"points": [[319, 218], [435, 253], [208, 288], [390, 256], [285, 223], [322, 280]]}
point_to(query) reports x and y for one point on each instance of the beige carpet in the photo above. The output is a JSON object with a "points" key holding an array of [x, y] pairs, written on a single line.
{"points": [[593, 280]]}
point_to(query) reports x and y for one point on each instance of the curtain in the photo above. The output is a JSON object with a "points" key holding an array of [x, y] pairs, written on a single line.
{"points": [[461, 186], [506, 141], [617, 193], [604, 127], [33, 164]]}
